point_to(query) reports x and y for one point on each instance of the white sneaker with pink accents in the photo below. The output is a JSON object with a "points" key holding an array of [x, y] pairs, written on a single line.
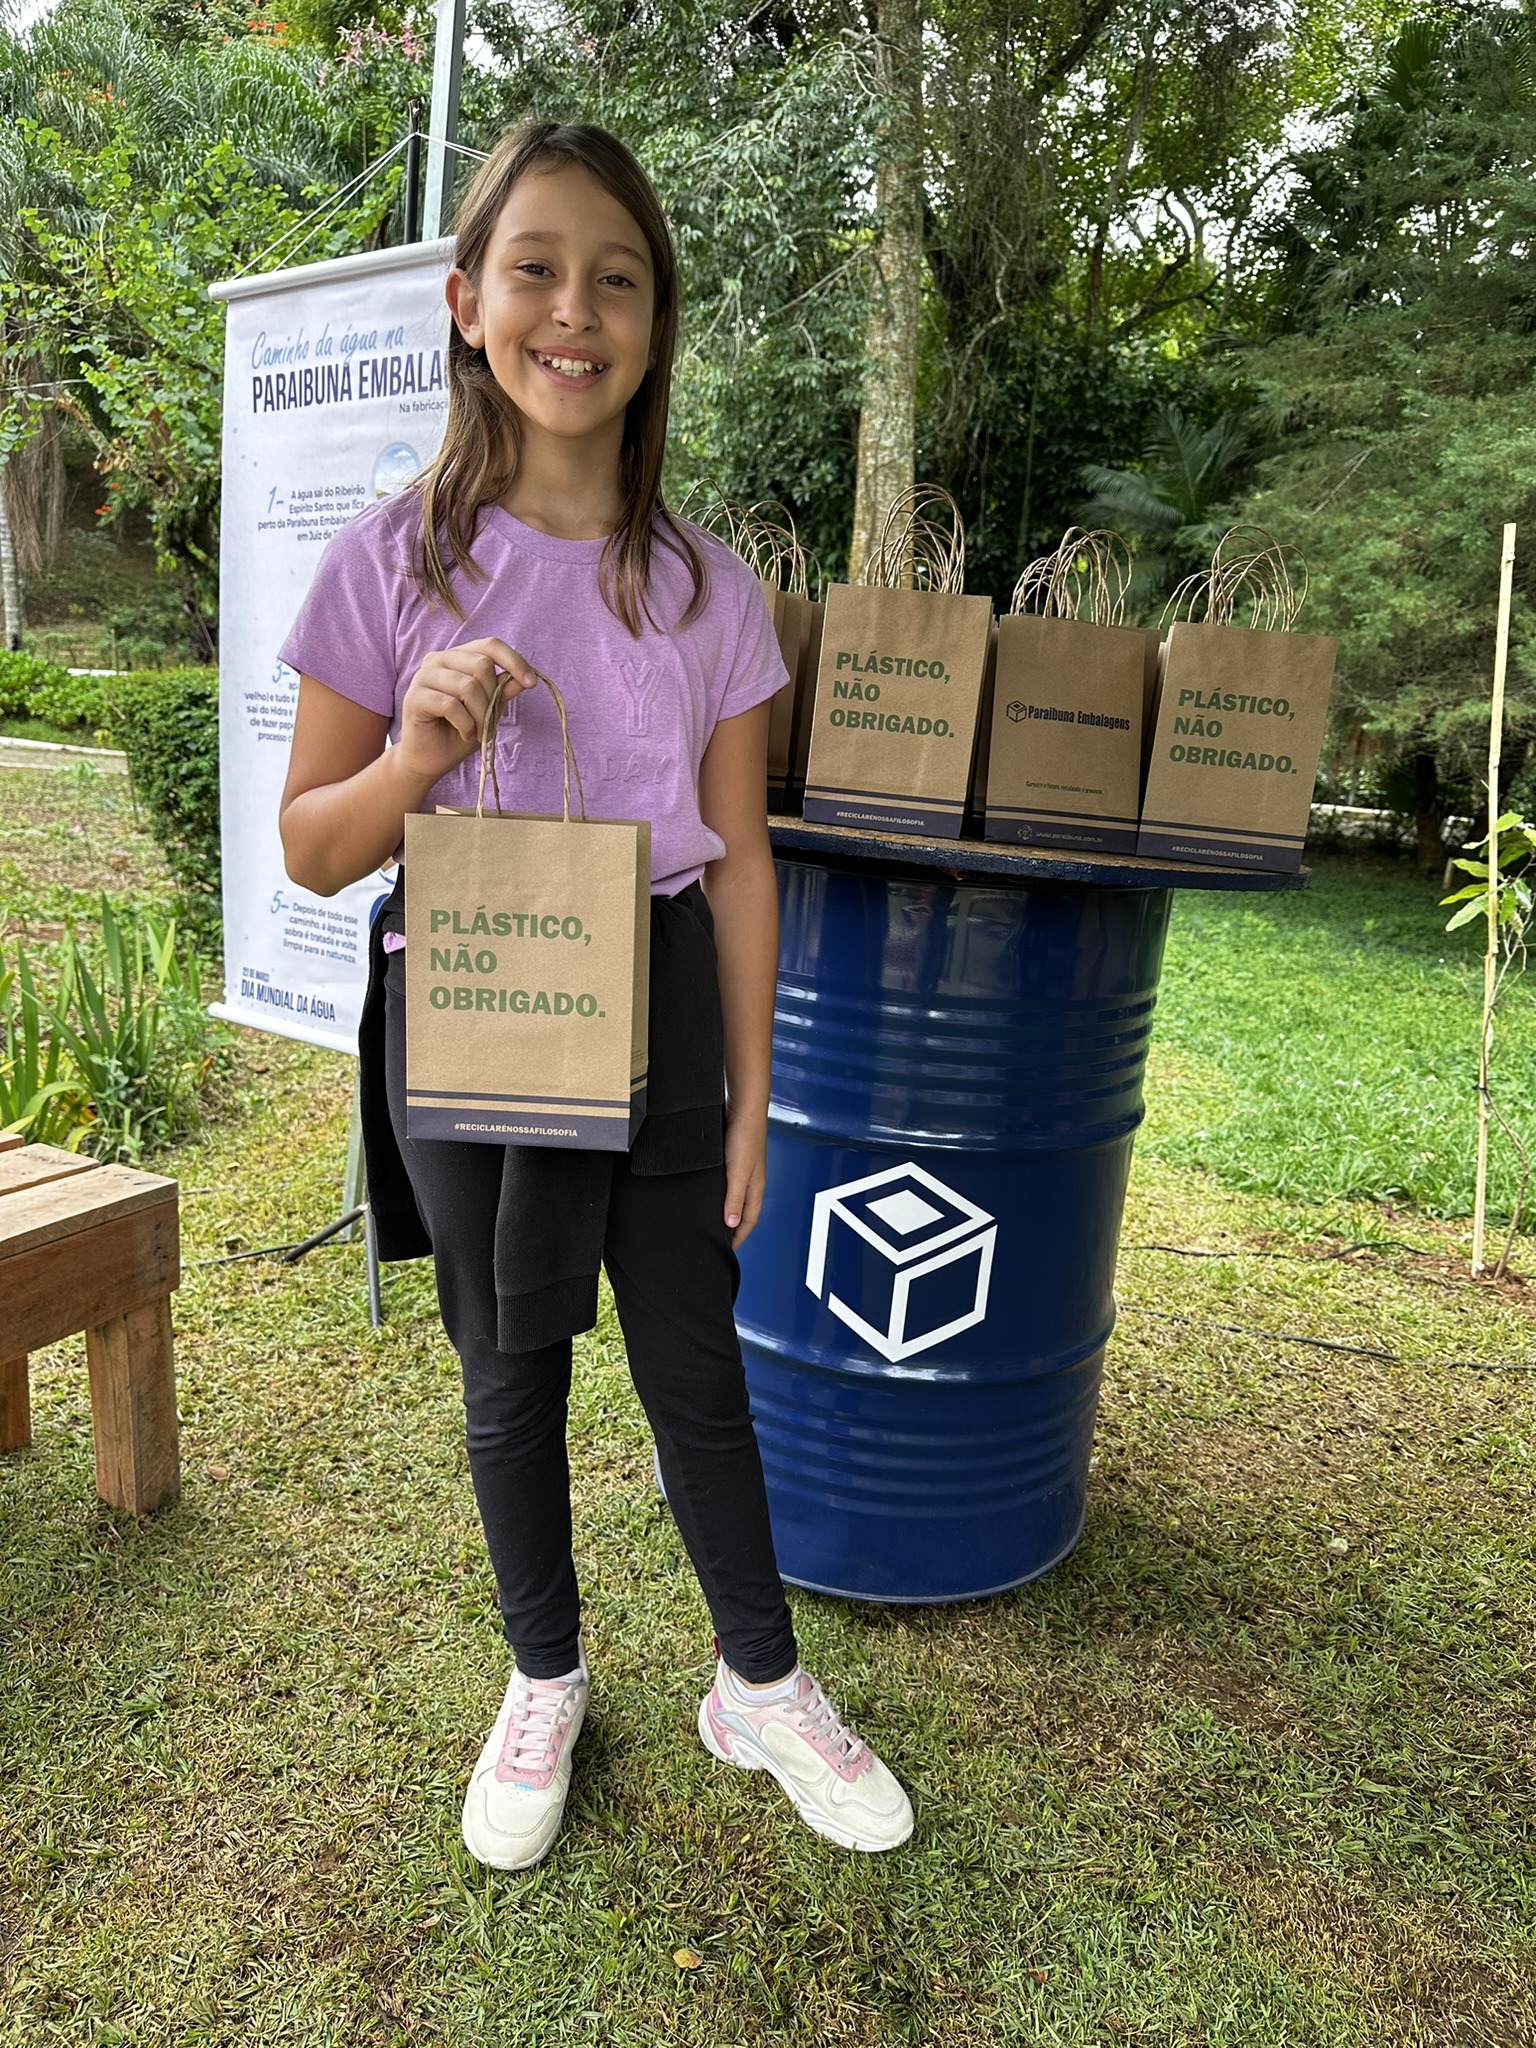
{"points": [[838, 1785], [516, 1796]]}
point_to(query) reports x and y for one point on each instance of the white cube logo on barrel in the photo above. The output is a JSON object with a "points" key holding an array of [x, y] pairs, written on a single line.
{"points": [[901, 1258]]}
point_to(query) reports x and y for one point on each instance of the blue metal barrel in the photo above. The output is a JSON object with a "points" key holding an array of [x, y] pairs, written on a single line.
{"points": [[925, 1303]]}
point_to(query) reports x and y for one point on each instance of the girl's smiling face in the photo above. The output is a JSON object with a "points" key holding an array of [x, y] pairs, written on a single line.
{"points": [[565, 303]]}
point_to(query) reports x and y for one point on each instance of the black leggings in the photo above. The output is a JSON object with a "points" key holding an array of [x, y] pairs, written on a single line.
{"points": [[669, 1260]]}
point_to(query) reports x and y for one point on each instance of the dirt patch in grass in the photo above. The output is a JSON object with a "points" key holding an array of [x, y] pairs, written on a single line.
{"points": [[1512, 1290], [1449, 1267], [1254, 1461], [1183, 1679], [1338, 1446], [1425, 1970], [1116, 1712]]}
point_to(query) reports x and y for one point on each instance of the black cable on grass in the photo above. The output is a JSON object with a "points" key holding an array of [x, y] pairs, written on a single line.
{"points": [[1344, 1251], [1369, 1244], [265, 1251], [290, 1254], [1320, 1343]]}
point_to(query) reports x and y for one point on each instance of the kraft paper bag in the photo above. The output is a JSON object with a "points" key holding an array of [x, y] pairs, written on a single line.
{"points": [[527, 972], [976, 810], [1240, 720], [771, 549], [899, 687], [1064, 765], [791, 625], [805, 692]]}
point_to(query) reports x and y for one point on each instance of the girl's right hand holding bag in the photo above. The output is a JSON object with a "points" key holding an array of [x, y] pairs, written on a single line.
{"points": [[443, 712]]}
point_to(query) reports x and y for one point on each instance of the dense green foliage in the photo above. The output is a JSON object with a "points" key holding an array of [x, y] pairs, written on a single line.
{"points": [[113, 1053], [167, 722], [1137, 286], [24, 677], [1091, 177], [146, 152], [1402, 374], [1169, 505], [49, 694], [1091, 173]]}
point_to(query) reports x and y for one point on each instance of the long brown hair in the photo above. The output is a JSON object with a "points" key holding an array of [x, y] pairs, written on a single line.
{"points": [[481, 443]]}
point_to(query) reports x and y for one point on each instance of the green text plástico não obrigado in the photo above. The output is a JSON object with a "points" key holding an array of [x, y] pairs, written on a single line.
{"points": [[853, 684], [1197, 723], [482, 961]]}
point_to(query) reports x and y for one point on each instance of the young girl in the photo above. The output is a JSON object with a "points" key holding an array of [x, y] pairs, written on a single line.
{"points": [[537, 541]]}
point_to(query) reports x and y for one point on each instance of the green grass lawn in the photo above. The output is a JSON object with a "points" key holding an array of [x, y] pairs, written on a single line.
{"points": [[1251, 1770], [1324, 1044], [65, 835]]}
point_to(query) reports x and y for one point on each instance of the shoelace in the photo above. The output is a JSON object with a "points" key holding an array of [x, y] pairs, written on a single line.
{"points": [[837, 1743], [533, 1725]]}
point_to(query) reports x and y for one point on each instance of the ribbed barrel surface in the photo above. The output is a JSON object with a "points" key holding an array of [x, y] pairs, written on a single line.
{"points": [[925, 1303]]}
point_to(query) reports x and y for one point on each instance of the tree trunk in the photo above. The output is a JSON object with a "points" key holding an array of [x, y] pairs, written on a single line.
{"points": [[1428, 814], [888, 411], [10, 575]]}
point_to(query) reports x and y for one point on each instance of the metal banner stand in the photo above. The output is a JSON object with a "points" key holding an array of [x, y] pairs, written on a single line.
{"points": [[421, 221], [354, 1198], [442, 136], [354, 1211]]}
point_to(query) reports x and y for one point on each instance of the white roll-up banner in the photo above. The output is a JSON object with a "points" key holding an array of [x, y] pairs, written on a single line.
{"points": [[334, 396]]}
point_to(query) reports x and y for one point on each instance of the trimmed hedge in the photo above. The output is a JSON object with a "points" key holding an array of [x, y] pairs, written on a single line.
{"points": [[166, 720], [30, 688]]}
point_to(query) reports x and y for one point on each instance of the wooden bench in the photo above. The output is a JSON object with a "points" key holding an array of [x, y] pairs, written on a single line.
{"points": [[94, 1248]]}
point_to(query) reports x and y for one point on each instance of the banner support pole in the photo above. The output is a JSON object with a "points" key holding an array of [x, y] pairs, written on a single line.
{"points": [[413, 175], [354, 1192], [371, 1249], [443, 123], [354, 1196], [354, 1207]]}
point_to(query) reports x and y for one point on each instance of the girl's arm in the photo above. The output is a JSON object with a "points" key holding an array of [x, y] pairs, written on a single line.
{"points": [[744, 899], [343, 806]]}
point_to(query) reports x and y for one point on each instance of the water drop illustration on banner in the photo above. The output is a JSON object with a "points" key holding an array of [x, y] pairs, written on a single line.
{"points": [[394, 468]]}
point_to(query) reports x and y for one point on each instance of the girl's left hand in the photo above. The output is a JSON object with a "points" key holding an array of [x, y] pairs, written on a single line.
{"points": [[746, 1172]]}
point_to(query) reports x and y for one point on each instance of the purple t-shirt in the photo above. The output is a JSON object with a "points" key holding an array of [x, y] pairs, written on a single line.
{"points": [[641, 711]]}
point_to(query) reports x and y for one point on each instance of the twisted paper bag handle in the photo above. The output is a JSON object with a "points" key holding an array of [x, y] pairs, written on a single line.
{"points": [[569, 765], [1086, 576], [768, 544], [916, 550], [1248, 561]]}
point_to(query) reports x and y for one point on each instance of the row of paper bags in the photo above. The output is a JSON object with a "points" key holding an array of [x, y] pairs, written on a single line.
{"points": [[912, 710], [909, 710]]}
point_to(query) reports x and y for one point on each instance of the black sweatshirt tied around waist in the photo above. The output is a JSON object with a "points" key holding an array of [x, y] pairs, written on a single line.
{"points": [[551, 1218]]}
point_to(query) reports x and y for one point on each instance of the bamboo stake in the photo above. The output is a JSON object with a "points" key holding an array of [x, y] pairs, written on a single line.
{"points": [[1491, 954]]}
